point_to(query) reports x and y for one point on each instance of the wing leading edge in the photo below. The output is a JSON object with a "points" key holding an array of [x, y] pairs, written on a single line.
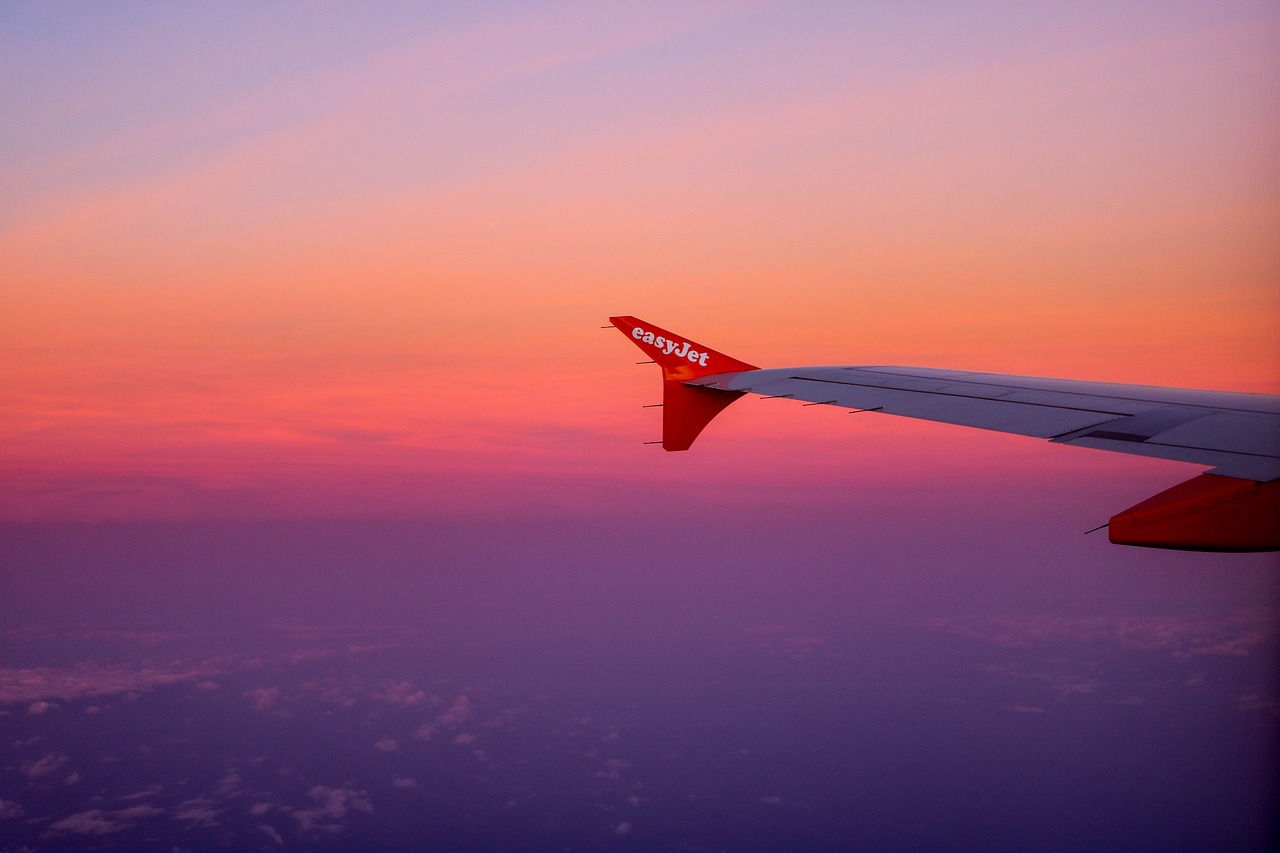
{"points": [[1234, 507]]}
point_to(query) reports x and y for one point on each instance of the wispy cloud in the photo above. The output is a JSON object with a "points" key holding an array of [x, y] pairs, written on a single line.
{"points": [[42, 689], [199, 811], [1026, 709], [263, 698], [252, 133], [32, 685], [1235, 634], [46, 766], [100, 822], [334, 805], [784, 641]]}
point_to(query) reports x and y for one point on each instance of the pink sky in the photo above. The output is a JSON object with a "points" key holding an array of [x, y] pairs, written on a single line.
{"points": [[267, 261]]}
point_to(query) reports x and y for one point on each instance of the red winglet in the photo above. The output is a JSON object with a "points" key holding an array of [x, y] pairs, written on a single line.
{"points": [[686, 409]]}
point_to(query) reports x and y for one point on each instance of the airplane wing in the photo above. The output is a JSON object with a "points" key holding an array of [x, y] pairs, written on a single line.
{"points": [[1233, 507]]}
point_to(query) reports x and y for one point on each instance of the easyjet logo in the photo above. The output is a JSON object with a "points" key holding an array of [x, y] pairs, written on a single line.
{"points": [[678, 349]]}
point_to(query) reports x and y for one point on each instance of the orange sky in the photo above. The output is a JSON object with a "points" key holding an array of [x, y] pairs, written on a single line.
{"points": [[256, 266]]}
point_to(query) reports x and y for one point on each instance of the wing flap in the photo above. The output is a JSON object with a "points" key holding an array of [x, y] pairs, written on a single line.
{"points": [[1228, 432]]}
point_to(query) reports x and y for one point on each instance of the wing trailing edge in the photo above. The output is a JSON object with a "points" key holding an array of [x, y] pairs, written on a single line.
{"points": [[1234, 507]]}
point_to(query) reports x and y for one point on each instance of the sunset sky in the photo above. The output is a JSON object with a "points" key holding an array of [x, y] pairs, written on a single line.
{"points": [[325, 508], [256, 260]]}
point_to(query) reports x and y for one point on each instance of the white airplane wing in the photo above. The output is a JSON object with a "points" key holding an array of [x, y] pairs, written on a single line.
{"points": [[1233, 507]]}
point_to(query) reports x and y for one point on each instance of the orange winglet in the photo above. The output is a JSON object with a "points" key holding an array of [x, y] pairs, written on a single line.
{"points": [[686, 409], [1207, 513]]}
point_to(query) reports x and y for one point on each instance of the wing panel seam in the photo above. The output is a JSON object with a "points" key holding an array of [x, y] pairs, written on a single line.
{"points": [[1216, 407], [970, 396], [1176, 446]]}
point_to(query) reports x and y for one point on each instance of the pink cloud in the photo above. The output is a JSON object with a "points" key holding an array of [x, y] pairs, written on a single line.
{"points": [[263, 698], [45, 766]]}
